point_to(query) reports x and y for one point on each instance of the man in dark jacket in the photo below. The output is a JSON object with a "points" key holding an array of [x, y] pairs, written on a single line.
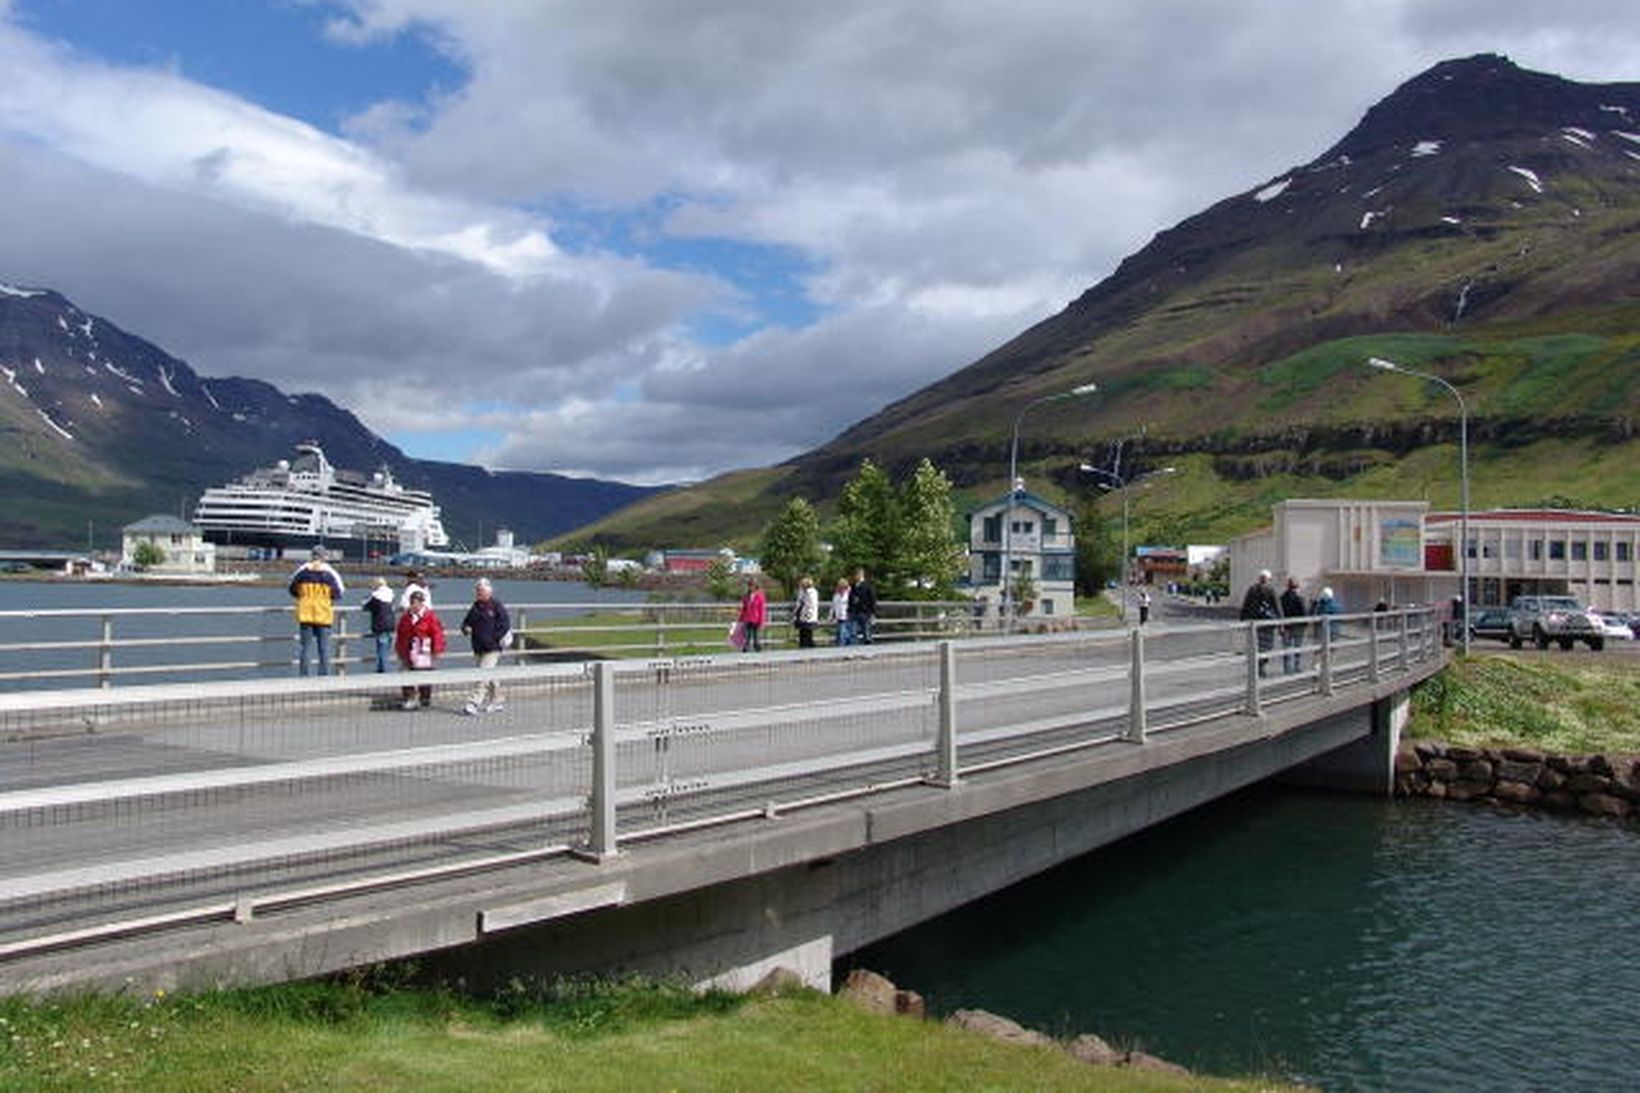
{"points": [[490, 629], [1292, 634], [862, 607], [1258, 605]]}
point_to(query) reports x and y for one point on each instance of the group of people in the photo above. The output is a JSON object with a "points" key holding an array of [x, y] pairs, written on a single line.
{"points": [[853, 610], [404, 626], [1262, 603]]}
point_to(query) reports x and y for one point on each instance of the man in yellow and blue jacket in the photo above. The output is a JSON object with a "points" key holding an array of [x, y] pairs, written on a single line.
{"points": [[316, 588]]}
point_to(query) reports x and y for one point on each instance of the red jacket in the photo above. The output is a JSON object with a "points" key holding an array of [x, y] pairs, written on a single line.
{"points": [[754, 609], [412, 627]]}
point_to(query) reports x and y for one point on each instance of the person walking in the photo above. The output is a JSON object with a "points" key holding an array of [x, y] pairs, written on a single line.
{"points": [[413, 582], [316, 587], [379, 605], [489, 628], [419, 642], [1144, 606], [806, 612], [1325, 606], [1259, 605], [839, 613], [1292, 634], [862, 607], [754, 612]]}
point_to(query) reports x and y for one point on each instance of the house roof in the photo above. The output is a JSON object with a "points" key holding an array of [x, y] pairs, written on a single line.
{"points": [[161, 525], [1026, 499]]}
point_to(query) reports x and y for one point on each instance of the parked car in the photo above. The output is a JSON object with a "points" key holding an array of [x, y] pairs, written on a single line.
{"points": [[1615, 627], [1560, 619], [1489, 622]]}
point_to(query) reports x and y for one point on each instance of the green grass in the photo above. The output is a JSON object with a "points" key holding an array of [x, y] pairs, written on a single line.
{"points": [[340, 1037], [647, 632], [1586, 706]]}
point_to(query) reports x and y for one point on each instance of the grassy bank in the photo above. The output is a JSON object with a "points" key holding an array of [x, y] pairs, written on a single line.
{"points": [[340, 1037], [1568, 703]]}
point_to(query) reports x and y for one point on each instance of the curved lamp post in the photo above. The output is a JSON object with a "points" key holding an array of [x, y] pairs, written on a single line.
{"points": [[1463, 477], [1122, 485], [1009, 608]]}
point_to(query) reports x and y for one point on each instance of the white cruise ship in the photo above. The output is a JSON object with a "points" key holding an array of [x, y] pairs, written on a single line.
{"points": [[305, 500]]}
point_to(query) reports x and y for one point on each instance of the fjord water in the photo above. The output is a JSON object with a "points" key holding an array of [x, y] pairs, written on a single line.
{"points": [[1352, 943]]}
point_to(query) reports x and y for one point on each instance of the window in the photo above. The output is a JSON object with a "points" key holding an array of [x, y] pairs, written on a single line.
{"points": [[1557, 550], [1601, 550], [1024, 527], [1050, 526], [1059, 567], [1580, 550], [992, 531], [990, 566], [1622, 552], [1047, 607], [1537, 549]]}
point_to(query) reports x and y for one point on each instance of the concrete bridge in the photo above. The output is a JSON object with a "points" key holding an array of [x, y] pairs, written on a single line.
{"points": [[713, 816]]}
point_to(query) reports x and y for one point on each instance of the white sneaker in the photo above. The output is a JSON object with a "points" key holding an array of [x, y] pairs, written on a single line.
{"points": [[495, 707], [409, 704], [469, 709]]}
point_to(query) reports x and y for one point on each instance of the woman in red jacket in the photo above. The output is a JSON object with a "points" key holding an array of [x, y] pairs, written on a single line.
{"points": [[419, 643], [754, 612]]}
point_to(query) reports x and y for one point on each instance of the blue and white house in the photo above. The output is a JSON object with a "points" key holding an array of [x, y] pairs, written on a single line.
{"points": [[1039, 540]]}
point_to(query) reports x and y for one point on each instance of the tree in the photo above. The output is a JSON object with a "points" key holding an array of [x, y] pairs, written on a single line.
{"points": [[595, 567], [867, 531], [1098, 553], [929, 561], [720, 579], [791, 545], [148, 554]]}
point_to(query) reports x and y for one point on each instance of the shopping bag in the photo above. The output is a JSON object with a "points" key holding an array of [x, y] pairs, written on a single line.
{"points": [[737, 635]]}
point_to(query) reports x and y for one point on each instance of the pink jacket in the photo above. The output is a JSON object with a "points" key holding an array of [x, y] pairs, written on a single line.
{"points": [[754, 608]]}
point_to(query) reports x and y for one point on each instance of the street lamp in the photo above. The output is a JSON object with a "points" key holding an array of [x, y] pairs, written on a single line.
{"points": [[1463, 478], [1009, 609], [1122, 485]]}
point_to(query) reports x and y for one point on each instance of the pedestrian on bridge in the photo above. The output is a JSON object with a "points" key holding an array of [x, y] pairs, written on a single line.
{"points": [[1292, 634], [862, 607], [1259, 605], [839, 613], [754, 612], [382, 621], [490, 630], [419, 643], [806, 612], [316, 587]]}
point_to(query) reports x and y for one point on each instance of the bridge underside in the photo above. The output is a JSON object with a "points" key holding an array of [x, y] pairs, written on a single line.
{"points": [[726, 903]]}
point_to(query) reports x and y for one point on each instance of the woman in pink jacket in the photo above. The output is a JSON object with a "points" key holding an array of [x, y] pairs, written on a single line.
{"points": [[754, 612]]}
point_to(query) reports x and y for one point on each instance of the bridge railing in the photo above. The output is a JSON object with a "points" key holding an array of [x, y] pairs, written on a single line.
{"points": [[144, 807], [72, 647]]}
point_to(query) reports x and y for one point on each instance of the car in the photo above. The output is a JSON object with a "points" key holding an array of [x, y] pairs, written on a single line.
{"points": [[1558, 619], [11, 565], [1615, 627], [1490, 622]]}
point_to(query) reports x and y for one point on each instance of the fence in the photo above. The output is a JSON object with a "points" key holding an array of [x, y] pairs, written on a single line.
{"points": [[141, 808], [107, 646]]}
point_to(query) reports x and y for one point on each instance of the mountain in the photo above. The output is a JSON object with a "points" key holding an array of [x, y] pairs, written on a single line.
{"points": [[1481, 223], [102, 428]]}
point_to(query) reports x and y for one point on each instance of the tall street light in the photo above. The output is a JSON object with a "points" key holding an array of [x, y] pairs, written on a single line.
{"points": [[1009, 608], [1463, 477], [1121, 486]]}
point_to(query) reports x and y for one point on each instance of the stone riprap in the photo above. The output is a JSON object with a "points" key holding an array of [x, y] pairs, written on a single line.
{"points": [[1596, 785]]}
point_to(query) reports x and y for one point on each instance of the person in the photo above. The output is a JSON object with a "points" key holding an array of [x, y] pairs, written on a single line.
{"points": [[382, 620], [754, 612], [1257, 605], [1144, 606], [839, 613], [316, 587], [862, 607], [419, 642], [413, 582], [489, 628], [1326, 605], [806, 612], [1292, 634]]}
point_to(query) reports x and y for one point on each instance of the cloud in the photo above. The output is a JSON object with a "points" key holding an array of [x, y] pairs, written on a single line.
{"points": [[535, 256]]}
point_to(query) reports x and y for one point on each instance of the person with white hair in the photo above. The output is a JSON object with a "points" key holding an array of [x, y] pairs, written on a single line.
{"points": [[1260, 605], [490, 630], [1324, 605]]}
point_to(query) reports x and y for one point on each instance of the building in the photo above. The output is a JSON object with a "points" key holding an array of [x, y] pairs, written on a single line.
{"points": [[181, 545], [1039, 539], [1399, 552]]}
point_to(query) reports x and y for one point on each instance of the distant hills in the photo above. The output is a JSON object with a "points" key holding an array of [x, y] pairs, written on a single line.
{"points": [[99, 428], [1482, 222]]}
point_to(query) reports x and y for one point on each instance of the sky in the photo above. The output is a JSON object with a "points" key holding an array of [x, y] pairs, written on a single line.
{"points": [[656, 240]]}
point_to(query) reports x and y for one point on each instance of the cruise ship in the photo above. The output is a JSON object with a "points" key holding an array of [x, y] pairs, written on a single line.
{"points": [[302, 501]]}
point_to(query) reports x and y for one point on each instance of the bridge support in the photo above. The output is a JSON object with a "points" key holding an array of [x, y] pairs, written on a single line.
{"points": [[1366, 765]]}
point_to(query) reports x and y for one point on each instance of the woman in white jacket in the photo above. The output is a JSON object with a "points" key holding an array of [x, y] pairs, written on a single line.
{"points": [[806, 612]]}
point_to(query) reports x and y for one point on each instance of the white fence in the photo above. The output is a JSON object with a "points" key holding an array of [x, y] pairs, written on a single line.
{"points": [[143, 807]]}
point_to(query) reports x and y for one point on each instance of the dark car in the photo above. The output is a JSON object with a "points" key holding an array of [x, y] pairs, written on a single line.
{"points": [[1490, 622]]}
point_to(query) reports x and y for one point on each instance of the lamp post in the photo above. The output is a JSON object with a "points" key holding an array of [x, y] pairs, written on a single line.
{"points": [[1463, 479], [1009, 608], [1122, 485]]}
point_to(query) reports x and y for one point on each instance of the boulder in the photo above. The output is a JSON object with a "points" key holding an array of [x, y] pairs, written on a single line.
{"points": [[1436, 789], [1604, 804], [1516, 770], [1406, 762], [1523, 755], [870, 991], [1476, 770], [1559, 798], [910, 1004], [781, 980], [1588, 783], [1140, 1060], [997, 1028], [1550, 778], [1464, 755], [1521, 793], [1428, 749], [1093, 1049], [1442, 770], [1467, 791]]}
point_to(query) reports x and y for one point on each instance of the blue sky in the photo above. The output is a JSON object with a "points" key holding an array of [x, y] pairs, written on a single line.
{"points": [[656, 240]]}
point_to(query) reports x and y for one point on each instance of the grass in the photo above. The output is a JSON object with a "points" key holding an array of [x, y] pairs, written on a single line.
{"points": [[1584, 706], [579, 1036]]}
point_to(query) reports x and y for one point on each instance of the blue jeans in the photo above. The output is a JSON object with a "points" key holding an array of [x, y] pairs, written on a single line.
{"points": [[861, 625], [384, 649], [313, 636], [845, 632]]}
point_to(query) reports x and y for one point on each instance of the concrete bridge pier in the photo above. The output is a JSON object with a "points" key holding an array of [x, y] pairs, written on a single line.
{"points": [[1367, 765]]}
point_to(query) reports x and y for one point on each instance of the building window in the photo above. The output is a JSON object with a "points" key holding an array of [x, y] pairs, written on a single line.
{"points": [[1580, 550], [1024, 527], [993, 529], [1601, 550], [1557, 550], [1050, 526], [1047, 607], [1622, 552], [1537, 550], [1059, 567], [990, 566]]}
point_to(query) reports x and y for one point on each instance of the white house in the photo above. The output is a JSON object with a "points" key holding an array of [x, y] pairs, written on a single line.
{"points": [[183, 545], [1039, 540]]}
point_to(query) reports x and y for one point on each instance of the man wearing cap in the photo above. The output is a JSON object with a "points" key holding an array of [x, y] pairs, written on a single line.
{"points": [[316, 588]]}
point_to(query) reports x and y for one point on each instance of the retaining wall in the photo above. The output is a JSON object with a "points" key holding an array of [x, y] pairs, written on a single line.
{"points": [[1597, 785]]}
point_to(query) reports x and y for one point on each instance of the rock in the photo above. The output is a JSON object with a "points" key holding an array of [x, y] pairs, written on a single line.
{"points": [[1407, 762], [1521, 793], [1604, 804], [1559, 798], [870, 991], [781, 980], [1588, 783], [1442, 770], [1093, 1049], [1436, 789], [910, 1004], [1429, 749], [1550, 778], [1476, 770], [1464, 755], [1599, 764], [1139, 1060], [1515, 770], [997, 1028], [1467, 791], [1523, 755]]}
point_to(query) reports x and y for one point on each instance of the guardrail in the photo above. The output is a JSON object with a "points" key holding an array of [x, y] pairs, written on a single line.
{"points": [[106, 646], [146, 807]]}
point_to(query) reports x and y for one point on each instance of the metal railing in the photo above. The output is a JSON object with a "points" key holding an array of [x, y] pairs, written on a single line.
{"points": [[144, 807], [108, 646]]}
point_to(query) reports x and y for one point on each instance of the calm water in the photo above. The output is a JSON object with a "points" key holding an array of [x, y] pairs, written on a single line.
{"points": [[1351, 943]]}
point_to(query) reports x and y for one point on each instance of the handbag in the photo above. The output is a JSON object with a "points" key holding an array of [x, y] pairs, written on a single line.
{"points": [[737, 635], [421, 653]]}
